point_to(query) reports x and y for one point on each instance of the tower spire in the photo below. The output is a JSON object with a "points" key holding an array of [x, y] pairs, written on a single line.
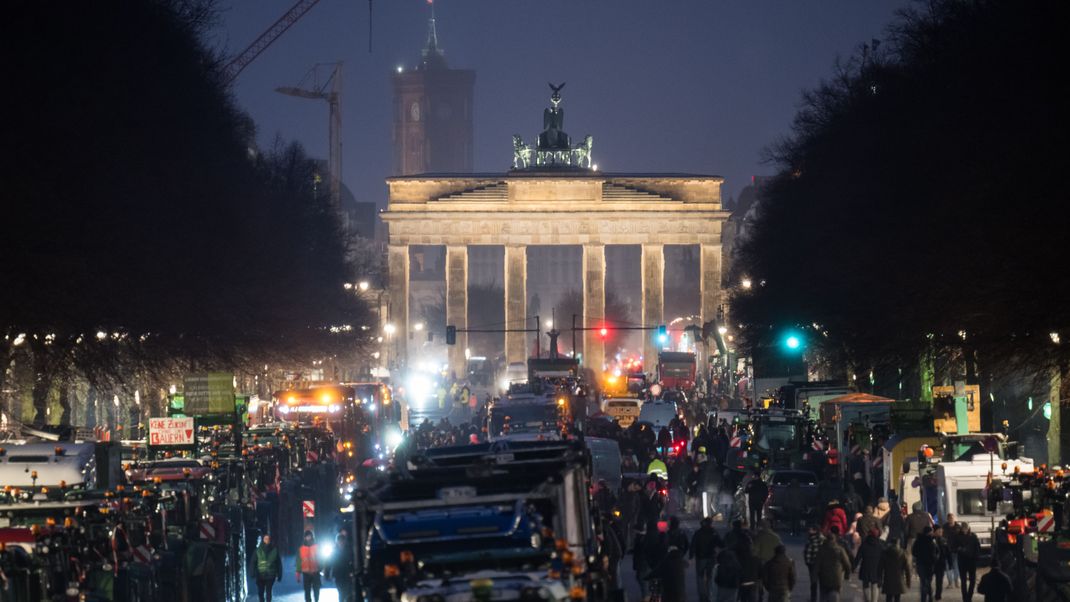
{"points": [[431, 51]]}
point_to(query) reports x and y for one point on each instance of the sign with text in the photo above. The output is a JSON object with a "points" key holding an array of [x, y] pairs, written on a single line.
{"points": [[170, 431], [211, 393]]}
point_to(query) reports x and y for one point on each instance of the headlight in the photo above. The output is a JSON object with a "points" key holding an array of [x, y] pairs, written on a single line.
{"points": [[326, 550]]}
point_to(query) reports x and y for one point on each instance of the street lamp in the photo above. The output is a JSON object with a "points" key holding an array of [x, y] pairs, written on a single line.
{"points": [[746, 283], [363, 285], [389, 328], [418, 326], [722, 330]]}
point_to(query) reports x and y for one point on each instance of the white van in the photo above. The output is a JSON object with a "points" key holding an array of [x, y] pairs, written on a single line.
{"points": [[658, 413]]}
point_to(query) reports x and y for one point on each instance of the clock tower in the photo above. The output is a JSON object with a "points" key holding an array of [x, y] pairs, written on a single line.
{"points": [[433, 114]]}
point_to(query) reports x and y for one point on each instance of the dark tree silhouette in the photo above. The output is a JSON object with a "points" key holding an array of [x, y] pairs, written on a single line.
{"points": [[918, 207], [143, 231]]}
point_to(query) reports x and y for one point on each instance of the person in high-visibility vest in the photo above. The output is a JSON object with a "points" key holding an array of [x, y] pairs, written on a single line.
{"points": [[268, 568], [658, 467], [308, 567]]}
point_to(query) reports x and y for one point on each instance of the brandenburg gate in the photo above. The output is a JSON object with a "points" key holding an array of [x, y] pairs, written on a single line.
{"points": [[553, 196]]}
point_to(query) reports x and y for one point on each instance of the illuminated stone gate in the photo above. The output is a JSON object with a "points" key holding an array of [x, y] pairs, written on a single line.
{"points": [[554, 195]]}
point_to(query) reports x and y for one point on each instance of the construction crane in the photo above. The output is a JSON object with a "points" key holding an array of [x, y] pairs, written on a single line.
{"points": [[260, 44], [329, 89], [265, 39]]}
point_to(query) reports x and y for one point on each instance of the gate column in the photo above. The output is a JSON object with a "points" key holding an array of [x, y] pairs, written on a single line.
{"points": [[594, 306], [457, 307], [710, 280], [395, 337], [516, 303], [653, 276]]}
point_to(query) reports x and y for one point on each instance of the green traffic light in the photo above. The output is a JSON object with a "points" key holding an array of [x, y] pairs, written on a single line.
{"points": [[793, 342]]}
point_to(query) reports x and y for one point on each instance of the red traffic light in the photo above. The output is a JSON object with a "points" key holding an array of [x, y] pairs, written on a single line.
{"points": [[603, 332]]}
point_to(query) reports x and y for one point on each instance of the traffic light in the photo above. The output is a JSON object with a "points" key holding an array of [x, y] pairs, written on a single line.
{"points": [[603, 332], [792, 341], [663, 334], [451, 335]]}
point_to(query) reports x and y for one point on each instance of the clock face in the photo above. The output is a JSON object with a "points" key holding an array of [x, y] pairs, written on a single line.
{"points": [[414, 111]]}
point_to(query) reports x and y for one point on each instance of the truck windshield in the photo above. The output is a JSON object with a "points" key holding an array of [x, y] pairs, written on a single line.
{"points": [[971, 502], [523, 418], [777, 436]]}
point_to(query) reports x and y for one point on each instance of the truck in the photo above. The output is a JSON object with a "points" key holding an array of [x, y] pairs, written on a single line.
{"points": [[676, 370], [773, 438], [520, 526], [528, 412], [957, 480], [61, 466], [807, 396]]}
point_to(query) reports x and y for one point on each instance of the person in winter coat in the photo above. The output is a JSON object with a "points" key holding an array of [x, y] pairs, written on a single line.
{"points": [[916, 522], [268, 568], [951, 534], [704, 545], [614, 550], [779, 576], [655, 546], [834, 517], [868, 561], [942, 554], [881, 511], [765, 542], [897, 528], [640, 562], [867, 522], [757, 492], [750, 574], [926, 554], [995, 586], [676, 536], [673, 575], [833, 567], [340, 569], [727, 578], [894, 574], [737, 537], [813, 546], [968, 547], [631, 503]]}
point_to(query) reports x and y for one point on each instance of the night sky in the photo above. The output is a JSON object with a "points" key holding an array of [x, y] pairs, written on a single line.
{"points": [[663, 86]]}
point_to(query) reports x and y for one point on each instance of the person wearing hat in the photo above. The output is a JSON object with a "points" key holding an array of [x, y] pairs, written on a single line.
{"points": [[308, 567]]}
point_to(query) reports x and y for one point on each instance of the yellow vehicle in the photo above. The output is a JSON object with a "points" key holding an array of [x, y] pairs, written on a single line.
{"points": [[624, 409]]}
